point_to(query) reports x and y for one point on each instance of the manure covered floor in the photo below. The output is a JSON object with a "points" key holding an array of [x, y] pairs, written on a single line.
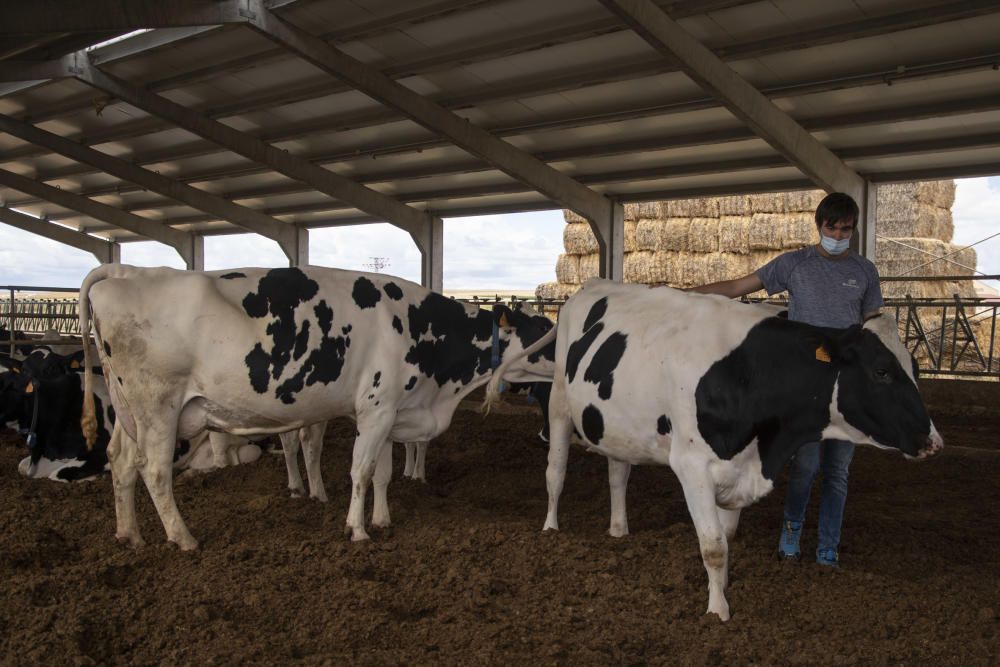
{"points": [[466, 576]]}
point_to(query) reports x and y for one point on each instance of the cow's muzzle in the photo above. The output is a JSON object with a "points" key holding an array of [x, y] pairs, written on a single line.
{"points": [[933, 446]]}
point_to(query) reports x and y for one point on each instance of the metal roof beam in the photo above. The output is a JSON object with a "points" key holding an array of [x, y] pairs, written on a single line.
{"points": [[740, 98], [323, 180], [41, 16], [104, 251], [284, 235], [503, 156], [182, 242]]}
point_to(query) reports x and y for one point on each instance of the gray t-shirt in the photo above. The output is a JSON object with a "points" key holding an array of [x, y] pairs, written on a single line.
{"points": [[824, 292]]}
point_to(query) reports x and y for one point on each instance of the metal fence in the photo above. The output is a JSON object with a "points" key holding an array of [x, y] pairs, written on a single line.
{"points": [[954, 337]]}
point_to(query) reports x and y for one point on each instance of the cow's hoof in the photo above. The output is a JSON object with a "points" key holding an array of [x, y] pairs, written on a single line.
{"points": [[386, 530], [550, 527], [617, 532], [296, 493], [186, 543], [722, 612], [359, 536], [130, 539], [321, 499]]}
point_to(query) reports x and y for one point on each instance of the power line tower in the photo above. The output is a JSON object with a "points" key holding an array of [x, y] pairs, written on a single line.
{"points": [[377, 264]]}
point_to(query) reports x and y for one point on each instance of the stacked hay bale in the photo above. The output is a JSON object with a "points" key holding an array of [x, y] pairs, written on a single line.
{"points": [[694, 241]]}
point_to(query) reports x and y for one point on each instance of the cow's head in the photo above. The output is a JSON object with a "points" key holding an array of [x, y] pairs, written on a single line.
{"points": [[876, 400], [517, 329]]}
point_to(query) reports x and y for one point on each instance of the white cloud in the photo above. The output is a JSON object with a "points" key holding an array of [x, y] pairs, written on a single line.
{"points": [[976, 213]]}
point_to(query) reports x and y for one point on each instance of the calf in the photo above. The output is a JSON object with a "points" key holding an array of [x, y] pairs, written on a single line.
{"points": [[310, 344], [721, 392]]}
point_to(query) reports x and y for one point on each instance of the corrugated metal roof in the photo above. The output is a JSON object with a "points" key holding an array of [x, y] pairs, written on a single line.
{"points": [[897, 89]]}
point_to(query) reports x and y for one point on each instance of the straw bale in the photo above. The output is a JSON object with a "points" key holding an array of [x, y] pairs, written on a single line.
{"points": [[705, 207], [768, 202], [902, 256], [899, 218], [572, 216], [759, 258], [765, 231], [693, 268], [655, 267], [734, 233], [735, 205], [804, 200], [630, 227], [637, 265], [726, 266], [668, 234], [641, 210], [934, 193], [568, 269], [703, 235], [590, 266], [579, 239], [555, 291], [797, 229]]}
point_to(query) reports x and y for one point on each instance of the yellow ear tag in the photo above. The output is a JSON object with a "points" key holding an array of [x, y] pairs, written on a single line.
{"points": [[30, 389], [15, 370], [822, 354], [74, 364], [503, 323]]}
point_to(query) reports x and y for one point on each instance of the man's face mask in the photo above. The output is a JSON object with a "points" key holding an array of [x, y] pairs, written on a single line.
{"points": [[833, 246], [836, 237]]}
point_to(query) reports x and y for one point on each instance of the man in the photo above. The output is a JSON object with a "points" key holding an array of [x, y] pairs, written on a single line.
{"points": [[829, 286]]}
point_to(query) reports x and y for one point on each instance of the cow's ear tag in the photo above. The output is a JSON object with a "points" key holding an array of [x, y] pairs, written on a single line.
{"points": [[503, 323], [30, 389], [74, 364], [822, 355], [15, 370]]}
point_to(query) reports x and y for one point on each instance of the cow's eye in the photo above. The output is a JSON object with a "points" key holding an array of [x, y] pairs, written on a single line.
{"points": [[881, 375]]}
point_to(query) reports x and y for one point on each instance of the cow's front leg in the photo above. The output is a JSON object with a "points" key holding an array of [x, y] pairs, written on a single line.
{"points": [[312, 451], [373, 432], [157, 443], [380, 486], [699, 493], [122, 452], [618, 473], [290, 450]]}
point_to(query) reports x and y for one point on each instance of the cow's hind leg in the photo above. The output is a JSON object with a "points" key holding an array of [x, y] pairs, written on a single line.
{"points": [[312, 451], [157, 444], [560, 427], [380, 486], [699, 493], [122, 452], [373, 434], [411, 459], [416, 460], [290, 450], [618, 472]]}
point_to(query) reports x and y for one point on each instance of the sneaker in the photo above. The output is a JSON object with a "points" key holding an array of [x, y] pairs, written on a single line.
{"points": [[828, 557], [788, 545]]}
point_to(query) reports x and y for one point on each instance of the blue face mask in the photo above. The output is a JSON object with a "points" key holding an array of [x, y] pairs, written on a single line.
{"points": [[833, 246]]}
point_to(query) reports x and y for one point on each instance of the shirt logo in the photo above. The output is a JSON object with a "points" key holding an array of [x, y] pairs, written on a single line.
{"points": [[850, 282]]}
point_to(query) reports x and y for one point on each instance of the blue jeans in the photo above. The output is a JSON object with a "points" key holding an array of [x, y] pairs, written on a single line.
{"points": [[834, 457]]}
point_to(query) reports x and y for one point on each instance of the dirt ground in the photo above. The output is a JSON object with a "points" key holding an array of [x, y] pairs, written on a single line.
{"points": [[466, 576]]}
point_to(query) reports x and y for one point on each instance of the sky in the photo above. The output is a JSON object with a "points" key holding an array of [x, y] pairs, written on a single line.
{"points": [[511, 252]]}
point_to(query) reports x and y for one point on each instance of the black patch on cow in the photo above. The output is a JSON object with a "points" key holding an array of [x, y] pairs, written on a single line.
{"points": [[120, 380], [596, 313], [411, 383], [301, 341], [107, 349], [324, 364], [397, 323], [579, 347], [365, 294], [528, 329], [182, 448], [393, 291], [593, 424], [371, 396], [451, 354], [663, 425], [601, 370], [234, 274], [259, 363], [279, 292], [324, 316], [378, 379]]}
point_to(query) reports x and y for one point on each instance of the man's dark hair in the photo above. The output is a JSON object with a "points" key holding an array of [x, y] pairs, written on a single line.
{"points": [[837, 207]]}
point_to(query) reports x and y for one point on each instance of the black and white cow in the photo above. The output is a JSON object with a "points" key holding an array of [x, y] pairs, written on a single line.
{"points": [[271, 350], [723, 393]]}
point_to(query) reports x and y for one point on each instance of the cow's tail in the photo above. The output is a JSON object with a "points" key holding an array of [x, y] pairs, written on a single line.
{"points": [[88, 418], [493, 388]]}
